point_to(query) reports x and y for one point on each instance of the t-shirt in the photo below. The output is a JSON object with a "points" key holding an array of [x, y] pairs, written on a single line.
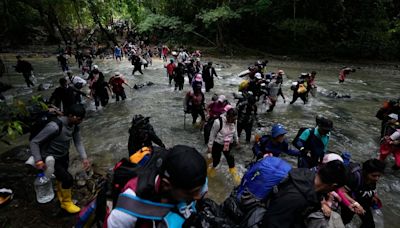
{"points": [[116, 84], [324, 138]]}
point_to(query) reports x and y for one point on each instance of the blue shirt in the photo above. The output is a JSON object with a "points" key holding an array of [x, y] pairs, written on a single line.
{"points": [[117, 51]]}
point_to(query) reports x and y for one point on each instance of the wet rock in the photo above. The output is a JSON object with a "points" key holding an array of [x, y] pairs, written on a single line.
{"points": [[337, 95], [45, 86]]}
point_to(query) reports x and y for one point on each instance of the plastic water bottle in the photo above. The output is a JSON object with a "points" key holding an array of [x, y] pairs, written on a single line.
{"points": [[43, 188], [378, 218]]}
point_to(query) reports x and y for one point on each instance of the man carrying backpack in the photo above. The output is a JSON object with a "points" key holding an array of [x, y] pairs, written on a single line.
{"points": [[359, 193], [164, 193], [247, 115], [301, 193], [313, 143], [194, 103], [142, 134], [54, 140], [273, 144], [26, 69]]}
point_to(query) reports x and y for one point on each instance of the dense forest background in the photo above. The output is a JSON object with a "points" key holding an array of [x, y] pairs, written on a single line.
{"points": [[343, 28]]}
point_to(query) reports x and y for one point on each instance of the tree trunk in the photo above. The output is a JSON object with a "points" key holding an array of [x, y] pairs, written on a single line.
{"points": [[97, 20]]}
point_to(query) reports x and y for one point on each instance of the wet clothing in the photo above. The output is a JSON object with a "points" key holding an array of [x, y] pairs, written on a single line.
{"points": [[387, 147], [343, 73], [139, 138], [363, 194], [26, 69], [227, 134], [65, 97], [194, 104], [137, 64], [247, 114], [100, 93], [208, 77], [222, 141], [58, 147], [216, 109], [295, 199], [171, 71], [316, 143], [266, 146], [117, 53], [273, 91], [62, 59], [179, 77], [303, 95], [116, 84]]}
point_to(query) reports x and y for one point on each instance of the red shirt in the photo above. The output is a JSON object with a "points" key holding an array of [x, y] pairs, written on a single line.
{"points": [[170, 68], [116, 84]]}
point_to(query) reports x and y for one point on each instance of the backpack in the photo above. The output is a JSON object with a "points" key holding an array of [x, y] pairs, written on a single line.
{"points": [[208, 127], [97, 210], [260, 145], [40, 120], [261, 178], [354, 175], [125, 170], [301, 130]]}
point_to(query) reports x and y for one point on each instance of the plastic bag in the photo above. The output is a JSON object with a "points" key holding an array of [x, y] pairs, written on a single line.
{"points": [[378, 218]]}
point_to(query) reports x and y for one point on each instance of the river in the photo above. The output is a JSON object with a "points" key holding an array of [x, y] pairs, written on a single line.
{"points": [[105, 132]]}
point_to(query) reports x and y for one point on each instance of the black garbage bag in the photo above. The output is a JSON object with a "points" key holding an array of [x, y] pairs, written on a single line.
{"points": [[231, 208], [254, 218], [210, 215]]}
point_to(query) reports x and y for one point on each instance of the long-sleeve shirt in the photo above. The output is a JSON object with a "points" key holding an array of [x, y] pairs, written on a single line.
{"points": [[228, 132], [43, 144], [266, 145]]}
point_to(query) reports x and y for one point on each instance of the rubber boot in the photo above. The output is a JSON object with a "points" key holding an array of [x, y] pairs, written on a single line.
{"points": [[235, 175], [211, 172], [66, 199]]}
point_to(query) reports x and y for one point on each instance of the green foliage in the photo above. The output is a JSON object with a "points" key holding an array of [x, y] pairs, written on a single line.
{"points": [[368, 28], [154, 22], [219, 14], [12, 117]]}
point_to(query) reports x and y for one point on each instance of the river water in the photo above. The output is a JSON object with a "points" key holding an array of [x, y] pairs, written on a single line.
{"points": [[105, 132]]}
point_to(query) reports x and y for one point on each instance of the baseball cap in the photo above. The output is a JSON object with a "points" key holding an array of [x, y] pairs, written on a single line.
{"points": [[185, 167]]}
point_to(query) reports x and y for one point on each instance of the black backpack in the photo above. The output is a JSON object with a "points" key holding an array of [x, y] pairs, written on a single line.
{"points": [[124, 170], [301, 130], [40, 120]]}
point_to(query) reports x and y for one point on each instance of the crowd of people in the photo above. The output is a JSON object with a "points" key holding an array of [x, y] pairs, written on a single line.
{"points": [[168, 186]]}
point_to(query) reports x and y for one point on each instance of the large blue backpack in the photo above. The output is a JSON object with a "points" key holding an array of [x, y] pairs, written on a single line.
{"points": [[261, 177]]}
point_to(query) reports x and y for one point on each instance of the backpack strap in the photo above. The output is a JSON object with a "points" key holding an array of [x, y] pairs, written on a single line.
{"points": [[141, 208], [60, 125], [220, 124]]}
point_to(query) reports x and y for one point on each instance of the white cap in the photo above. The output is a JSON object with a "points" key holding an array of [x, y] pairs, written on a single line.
{"points": [[95, 67], [117, 73], [221, 98], [331, 157], [394, 116], [258, 76]]}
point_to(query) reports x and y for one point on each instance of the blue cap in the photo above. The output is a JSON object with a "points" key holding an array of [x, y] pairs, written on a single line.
{"points": [[346, 157], [277, 130]]}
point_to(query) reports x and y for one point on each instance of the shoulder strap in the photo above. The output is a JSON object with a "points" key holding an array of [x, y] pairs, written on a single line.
{"points": [[59, 124], [142, 208], [220, 124]]}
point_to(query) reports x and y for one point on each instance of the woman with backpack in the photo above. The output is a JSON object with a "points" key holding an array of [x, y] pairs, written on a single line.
{"points": [[223, 135]]}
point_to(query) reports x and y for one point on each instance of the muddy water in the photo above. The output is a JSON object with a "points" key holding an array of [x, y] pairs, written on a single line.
{"points": [[105, 131]]}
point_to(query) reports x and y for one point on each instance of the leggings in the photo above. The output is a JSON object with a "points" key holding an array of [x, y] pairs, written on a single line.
{"points": [[61, 172], [217, 149]]}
